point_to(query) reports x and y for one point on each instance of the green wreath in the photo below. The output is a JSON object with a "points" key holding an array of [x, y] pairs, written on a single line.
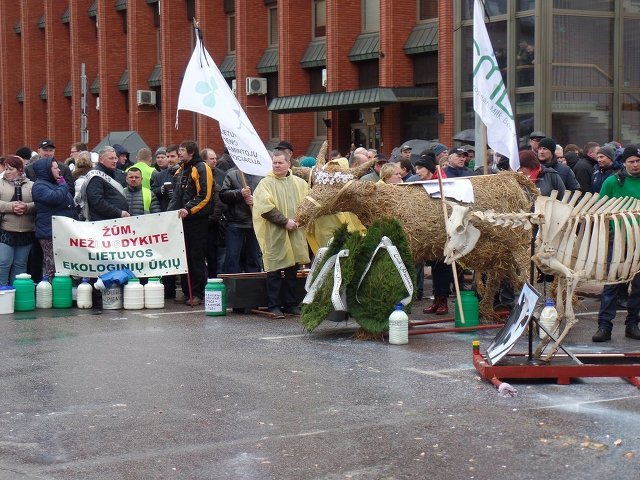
{"points": [[382, 288], [314, 313]]}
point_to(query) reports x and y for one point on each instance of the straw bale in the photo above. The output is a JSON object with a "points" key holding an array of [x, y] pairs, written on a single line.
{"points": [[500, 252]]}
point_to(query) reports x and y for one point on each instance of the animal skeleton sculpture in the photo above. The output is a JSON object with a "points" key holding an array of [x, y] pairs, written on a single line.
{"points": [[586, 238], [500, 257]]}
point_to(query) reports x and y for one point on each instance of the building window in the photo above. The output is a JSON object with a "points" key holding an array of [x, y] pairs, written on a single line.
{"points": [[319, 18], [368, 74], [581, 5], [274, 126], [273, 27], [231, 32], [428, 9], [525, 55], [370, 15], [191, 10], [582, 48], [631, 62]]}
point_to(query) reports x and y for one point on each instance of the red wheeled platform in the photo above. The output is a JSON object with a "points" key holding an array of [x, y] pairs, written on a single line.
{"points": [[517, 366]]}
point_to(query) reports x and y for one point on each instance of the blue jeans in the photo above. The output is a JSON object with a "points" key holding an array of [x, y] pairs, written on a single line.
{"points": [[243, 251], [608, 299], [13, 261]]}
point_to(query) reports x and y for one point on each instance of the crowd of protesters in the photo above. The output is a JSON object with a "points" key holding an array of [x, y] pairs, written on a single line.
{"points": [[238, 223]]}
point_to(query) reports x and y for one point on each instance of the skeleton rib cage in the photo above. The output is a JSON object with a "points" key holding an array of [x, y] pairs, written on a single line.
{"points": [[596, 238]]}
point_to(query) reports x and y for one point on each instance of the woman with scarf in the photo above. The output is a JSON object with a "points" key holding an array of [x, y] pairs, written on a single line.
{"points": [[17, 217], [52, 197]]}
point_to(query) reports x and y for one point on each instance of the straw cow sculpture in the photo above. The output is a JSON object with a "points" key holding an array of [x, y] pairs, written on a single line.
{"points": [[588, 238], [498, 255]]}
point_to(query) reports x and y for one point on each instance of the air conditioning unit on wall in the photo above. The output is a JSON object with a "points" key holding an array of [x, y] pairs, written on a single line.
{"points": [[146, 97], [256, 86]]}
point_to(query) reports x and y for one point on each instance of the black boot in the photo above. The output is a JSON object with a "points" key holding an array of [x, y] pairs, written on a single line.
{"points": [[274, 285], [632, 331], [290, 284], [602, 335]]}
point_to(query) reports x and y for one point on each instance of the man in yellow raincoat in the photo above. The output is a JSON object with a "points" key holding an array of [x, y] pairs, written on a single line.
{"points": [[283, 245]]}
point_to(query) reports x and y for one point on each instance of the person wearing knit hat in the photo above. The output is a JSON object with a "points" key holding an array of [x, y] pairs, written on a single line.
{"points": [[439, 151], [625, 183], [605, 158], [546, 155], [307, 162], [628, 152], [24, 153], [548, 143], [161, 160]]}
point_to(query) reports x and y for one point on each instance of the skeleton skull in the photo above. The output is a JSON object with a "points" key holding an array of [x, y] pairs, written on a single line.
{"points": [[462, 236]]}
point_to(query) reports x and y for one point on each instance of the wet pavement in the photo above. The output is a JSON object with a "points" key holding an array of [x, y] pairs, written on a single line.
{"points": [[176, 394]]}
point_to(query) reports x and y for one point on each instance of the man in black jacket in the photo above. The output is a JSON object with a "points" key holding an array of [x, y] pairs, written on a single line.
{"points": [[193, 198], [243, 251], [547, 157], [104, 188]]}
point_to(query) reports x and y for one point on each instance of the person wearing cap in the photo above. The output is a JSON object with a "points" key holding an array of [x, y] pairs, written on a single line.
{"points": [[547, 157], [286, 147], [625, 183], [456, 165], [283, 244], [123, 157], [606, 167], [374, 175], [405, 152], [534, 139], [47, 150]]}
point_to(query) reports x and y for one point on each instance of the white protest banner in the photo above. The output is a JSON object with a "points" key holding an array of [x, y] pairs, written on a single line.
{"points": [[204, 90], [148, 245], [490, 100]]}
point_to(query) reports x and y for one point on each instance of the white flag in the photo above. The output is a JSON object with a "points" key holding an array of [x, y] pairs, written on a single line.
{"points": [[490, 100], [204, 90]]}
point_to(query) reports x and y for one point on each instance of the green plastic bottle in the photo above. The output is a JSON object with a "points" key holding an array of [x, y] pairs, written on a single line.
{"points": [[215, 298]]}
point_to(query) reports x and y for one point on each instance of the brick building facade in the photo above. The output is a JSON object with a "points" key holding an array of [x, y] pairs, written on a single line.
{"points": [[129, 46], [369, 72]]}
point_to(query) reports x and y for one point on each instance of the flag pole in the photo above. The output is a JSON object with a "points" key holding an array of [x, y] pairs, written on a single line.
{"points": [[481, 143]]}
